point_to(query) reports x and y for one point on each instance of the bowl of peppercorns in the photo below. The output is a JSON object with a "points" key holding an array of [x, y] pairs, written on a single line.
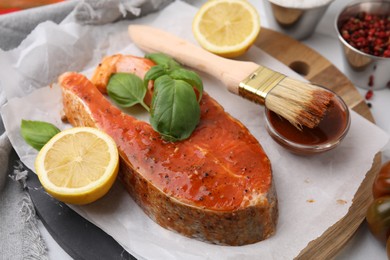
{"points": [[363, 29]]}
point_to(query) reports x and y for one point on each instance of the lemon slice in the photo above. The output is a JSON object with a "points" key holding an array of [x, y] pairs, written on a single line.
{"points": [[78, 165], [226, 27]]}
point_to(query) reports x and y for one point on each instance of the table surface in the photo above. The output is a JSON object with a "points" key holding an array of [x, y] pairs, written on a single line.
{"points": [[324, 41]]}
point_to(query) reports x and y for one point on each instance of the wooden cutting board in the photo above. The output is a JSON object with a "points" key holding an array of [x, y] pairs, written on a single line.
{"points": [[319, 70]]}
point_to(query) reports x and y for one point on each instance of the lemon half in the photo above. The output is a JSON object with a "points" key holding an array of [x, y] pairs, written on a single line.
{"points": [[226, 27], [78, 165]]}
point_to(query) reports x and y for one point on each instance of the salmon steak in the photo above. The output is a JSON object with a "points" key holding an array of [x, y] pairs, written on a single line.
{"points": [[215, 186]]}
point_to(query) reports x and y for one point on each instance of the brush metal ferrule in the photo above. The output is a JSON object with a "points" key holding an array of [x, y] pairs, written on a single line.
{"points": [[258, 84]]}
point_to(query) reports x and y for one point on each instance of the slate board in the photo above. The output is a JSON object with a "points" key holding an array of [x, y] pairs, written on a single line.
{"points": [[78, 237]]}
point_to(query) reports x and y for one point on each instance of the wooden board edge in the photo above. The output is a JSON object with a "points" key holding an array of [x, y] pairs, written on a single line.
{"points": [[335, 238], [312, 66]]}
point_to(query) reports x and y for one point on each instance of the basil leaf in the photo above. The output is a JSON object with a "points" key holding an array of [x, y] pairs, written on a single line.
{"points": [[37, 133], [190, 77], [175, 111], [154, 73], [126, 90], [164, 60]]}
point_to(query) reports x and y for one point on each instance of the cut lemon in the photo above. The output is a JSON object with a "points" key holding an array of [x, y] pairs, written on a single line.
{"points": [[78, 165], [226, 27]]}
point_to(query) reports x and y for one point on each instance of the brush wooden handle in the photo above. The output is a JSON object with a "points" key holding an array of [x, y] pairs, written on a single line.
{"points": [[230, 72]]}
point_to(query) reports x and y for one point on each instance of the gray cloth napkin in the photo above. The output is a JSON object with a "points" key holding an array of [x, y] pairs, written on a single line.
{"points": [[102, 12], [19, 235], [16, 26], [5, 147]]}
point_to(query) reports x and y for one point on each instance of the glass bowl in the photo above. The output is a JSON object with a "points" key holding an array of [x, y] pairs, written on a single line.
{"points": [[326, 136]]}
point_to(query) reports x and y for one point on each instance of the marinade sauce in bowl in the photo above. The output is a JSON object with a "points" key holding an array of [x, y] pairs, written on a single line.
{"points": [[326, 136]]}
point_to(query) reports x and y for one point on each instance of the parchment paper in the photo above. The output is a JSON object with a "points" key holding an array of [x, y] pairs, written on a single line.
{"points": [[314, 192]]}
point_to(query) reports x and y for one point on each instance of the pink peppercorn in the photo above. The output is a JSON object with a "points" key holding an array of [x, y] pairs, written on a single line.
{"points": [[371, 81], [369, 94], [369, 33]]}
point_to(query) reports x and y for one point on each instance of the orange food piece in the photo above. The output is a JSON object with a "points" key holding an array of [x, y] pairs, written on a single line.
{"points": [[215, 186]]}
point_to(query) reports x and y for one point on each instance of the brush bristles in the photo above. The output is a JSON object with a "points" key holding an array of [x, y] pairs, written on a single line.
{"points": [[302, 104]]}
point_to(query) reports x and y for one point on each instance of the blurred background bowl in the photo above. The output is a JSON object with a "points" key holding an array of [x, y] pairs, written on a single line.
{"points": [[297, 19], [364, 70]]}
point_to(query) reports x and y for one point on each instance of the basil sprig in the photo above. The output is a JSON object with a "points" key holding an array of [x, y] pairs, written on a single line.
{"points": [[175, 110], [37, 133], [168, 66], [164, 60], [126, 90]]}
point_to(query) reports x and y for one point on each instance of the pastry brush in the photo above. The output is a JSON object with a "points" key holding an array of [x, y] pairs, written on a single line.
{"points": [[301, 103]]}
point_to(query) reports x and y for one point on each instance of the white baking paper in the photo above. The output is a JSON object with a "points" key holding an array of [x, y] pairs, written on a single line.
{"points": [[314, 192]]}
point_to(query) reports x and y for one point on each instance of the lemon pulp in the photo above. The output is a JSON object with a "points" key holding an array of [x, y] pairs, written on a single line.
{"points": [[226, 27], [78, 165]]}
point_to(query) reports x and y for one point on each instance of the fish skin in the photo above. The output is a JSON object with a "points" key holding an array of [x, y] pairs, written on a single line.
{"points": [[229, 198]]}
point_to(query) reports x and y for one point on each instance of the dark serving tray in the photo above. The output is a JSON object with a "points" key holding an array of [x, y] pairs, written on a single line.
{"points": [[77, 236]]}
